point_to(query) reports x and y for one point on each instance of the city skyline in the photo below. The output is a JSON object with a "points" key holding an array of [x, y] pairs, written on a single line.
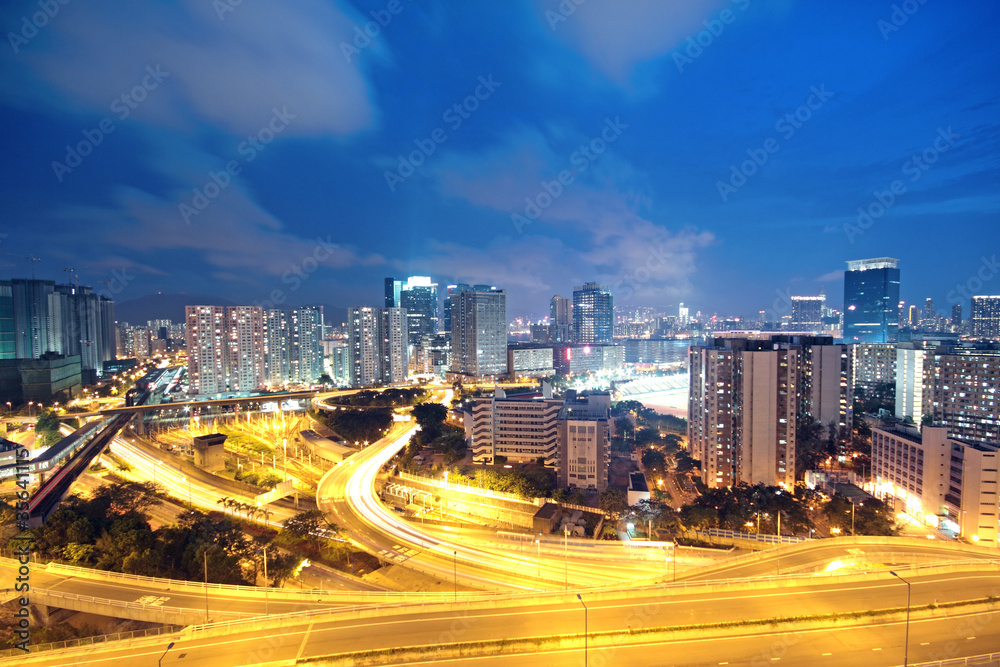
{"points": [[658, 159]]}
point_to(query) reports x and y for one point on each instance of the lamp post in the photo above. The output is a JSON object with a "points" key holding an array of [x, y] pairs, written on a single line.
{"points": [[266, 612], [205, 555], [455, 562], [906, 640], [566, 556], [585, 631], [538, 543], [160, 661]]}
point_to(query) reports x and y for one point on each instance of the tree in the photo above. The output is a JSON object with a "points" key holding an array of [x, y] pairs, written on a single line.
{"points": [[654, 460], [305, 525], [613, 502], [623, 425]]}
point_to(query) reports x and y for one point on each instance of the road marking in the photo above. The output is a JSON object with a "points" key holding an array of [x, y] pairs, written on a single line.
{"points": [[305, 638]]}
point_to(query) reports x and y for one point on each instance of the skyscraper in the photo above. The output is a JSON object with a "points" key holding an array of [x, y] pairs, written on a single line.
{"points": [[807, 312], [392, 288], [985, 317], [376, 339], [6, 320], [452, 289], [871, 301], [30, 300], [956, 315], [593, 314], [479, 332], [560, 319], [419, 297]]}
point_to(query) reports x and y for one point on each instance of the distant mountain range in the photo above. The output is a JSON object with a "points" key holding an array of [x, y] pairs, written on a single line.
{"points": [[171, 307]]}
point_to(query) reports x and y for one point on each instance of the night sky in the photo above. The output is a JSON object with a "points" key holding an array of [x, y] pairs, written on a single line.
{"points": [[510, 143]]}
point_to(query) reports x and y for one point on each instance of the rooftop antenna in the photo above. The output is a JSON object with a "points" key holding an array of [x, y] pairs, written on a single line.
{"points": [[32, 259]]}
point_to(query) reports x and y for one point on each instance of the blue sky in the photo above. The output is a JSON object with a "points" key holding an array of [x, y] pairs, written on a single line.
{"points": [[645, 109]]}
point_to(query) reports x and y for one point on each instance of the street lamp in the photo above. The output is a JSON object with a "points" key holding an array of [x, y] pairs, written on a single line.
{"points": [[906, 641], [585, 632], [160, 661], [455, 562], [566, 555], [538, 543]]}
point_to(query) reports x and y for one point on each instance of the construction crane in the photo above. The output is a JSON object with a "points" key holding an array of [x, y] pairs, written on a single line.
{"points": [[69, 275], [32, 259], [107, 286]]}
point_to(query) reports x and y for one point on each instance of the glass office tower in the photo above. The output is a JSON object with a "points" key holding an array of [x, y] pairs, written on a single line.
{"points": [[871, 301]]}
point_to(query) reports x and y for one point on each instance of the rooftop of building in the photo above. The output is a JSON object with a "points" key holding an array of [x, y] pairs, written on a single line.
{"points": [[584, 409], [637, 482]]}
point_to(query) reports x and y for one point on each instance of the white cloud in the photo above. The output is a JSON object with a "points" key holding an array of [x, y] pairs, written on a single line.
{"points": [[616, 36], [228, 73]]}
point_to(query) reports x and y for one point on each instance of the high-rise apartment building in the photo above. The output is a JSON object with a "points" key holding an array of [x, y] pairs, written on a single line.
{"points": [[376, 340], [985, 317], [747, 394], [206, 349], [306, 351], [911, 378], [963, 388], [82, 323], [30, 301], [593, 314], [246, 348], [871, 301], [479, 333], [874, 366], [70, 320], [277, 341]]}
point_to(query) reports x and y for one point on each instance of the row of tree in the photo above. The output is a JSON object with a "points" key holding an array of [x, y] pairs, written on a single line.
{"points": [[111, 531]]}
